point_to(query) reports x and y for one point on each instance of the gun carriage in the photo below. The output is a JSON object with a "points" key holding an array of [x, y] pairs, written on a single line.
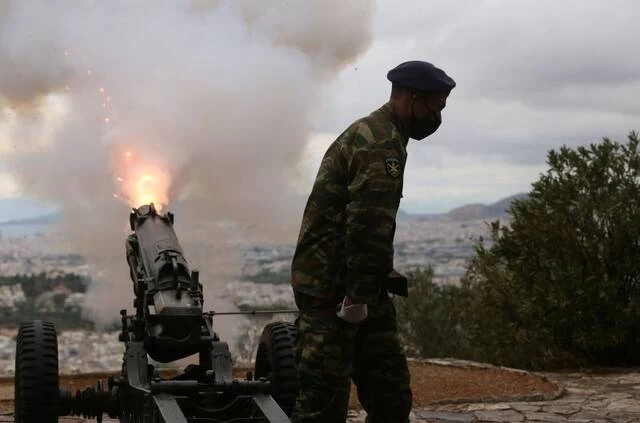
{"points": [[168, 324]]}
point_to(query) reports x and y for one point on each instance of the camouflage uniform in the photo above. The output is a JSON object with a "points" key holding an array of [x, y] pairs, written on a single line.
{"points": [[345, 247]]}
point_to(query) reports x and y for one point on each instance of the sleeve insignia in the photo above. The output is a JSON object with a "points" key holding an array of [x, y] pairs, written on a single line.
{"points": [[393, 167]]}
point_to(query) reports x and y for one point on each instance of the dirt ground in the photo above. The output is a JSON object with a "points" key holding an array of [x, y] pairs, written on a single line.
{"points": [[430, 383]]}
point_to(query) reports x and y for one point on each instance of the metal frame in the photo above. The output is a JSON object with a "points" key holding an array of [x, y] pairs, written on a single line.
{"points": [[206, 392]]}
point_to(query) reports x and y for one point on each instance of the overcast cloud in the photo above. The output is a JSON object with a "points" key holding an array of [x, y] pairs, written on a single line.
{"points": [[531, 75]]}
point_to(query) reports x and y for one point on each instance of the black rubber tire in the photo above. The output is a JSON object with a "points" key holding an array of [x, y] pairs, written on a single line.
{"points": [[276, 361], [36, 373]]}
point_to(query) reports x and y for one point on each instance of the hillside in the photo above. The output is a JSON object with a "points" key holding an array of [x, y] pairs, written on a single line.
{"points": [[482, 211], [21, 210], [467, 212]]}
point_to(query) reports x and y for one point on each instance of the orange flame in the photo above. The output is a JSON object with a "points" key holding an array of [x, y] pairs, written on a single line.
{"points": [[147, 190], [148, 185], [143, 183]]}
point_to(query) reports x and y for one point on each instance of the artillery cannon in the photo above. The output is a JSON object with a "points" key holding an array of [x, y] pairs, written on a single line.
{"points": [[169, 324]]}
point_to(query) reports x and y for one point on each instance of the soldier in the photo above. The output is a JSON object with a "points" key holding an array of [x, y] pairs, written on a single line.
{"points": [[342, 270]]}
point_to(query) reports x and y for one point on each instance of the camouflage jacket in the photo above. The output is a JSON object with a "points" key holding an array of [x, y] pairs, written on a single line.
{"points": [[345, 245]]}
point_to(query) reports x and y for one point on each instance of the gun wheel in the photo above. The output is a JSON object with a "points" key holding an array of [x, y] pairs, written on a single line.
{"points": [[276, 361], [36, 373]]}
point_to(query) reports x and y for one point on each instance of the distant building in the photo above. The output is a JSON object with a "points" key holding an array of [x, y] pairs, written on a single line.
{"points": [[11, 296]]}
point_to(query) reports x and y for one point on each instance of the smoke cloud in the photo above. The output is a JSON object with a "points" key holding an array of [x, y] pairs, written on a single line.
{"points": [[218, 95]]}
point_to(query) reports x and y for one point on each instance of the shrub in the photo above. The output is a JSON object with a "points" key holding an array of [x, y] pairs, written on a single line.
{"points": [[561, 283]]}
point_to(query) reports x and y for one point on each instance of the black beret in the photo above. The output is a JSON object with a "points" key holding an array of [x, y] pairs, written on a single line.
{"points": [[421, 76]]}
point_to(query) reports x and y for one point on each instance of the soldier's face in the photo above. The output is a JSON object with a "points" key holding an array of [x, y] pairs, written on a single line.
{"points": [[426, 110], [429, 106]]}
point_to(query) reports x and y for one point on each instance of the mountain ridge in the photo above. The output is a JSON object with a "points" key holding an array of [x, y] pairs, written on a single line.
{"points": [[471, 211]]}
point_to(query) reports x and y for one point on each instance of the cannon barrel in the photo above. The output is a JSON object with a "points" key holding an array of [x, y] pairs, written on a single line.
{"points": [[161, 255], [168, 296]]}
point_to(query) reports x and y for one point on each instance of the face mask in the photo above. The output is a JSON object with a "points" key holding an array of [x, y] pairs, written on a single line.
{"points": [[422, 128]]}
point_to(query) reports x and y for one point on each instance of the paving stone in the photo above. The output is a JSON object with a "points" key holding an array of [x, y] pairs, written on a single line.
{"points": [[612, 396], [563, 409], [630, 378], [595, 405], [526, 407], [586, 415], [622, 417], [628, 405], [475, 407], [497, 406], [489, 406], [499, 416], [544, 417], [443, 416]]}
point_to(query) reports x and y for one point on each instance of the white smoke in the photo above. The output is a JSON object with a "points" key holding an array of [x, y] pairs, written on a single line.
{"points": [[218, 93]]}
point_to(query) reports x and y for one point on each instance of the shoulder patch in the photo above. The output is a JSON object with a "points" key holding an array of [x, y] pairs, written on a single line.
{"points": [[393, 167]]}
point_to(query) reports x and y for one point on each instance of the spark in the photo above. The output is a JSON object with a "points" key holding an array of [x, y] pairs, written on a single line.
{"points": [[89, 72], [102, 90], [67, 88], [128, 154], [116, 196], [104, 105], [119, 179], [106, 120], [66, 53], [108, 99]]}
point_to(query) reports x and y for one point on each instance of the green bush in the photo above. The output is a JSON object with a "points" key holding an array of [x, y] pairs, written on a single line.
{"points": [[561, 283], [430, 318]]}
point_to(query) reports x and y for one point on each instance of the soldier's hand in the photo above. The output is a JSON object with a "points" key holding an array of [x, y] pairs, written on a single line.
{"points": [[352, 313]]}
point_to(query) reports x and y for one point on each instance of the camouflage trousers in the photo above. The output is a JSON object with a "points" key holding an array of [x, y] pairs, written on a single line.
{"points": [[332, 352]]}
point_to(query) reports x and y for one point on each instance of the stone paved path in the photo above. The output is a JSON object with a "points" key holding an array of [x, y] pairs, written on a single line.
{"points": [[587, 398]]}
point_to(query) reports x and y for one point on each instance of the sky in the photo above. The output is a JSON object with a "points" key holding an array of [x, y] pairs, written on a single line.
{"points": [[531, 76]]}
